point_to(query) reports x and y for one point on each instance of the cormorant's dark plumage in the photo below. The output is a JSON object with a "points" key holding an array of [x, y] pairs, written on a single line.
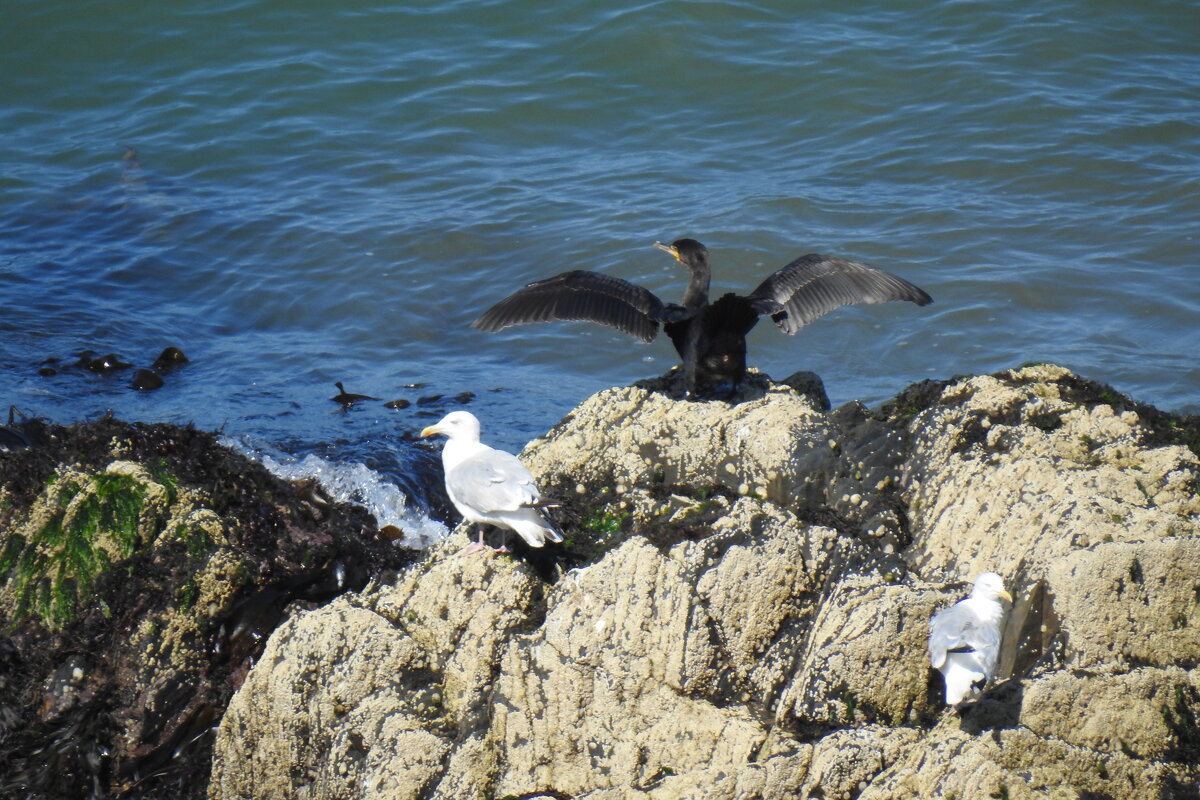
{"points": [[579, 295], [348, 398], [710, 338]]}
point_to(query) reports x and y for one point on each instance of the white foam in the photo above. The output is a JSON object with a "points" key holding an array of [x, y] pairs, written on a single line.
{"points": [[352, 483]]}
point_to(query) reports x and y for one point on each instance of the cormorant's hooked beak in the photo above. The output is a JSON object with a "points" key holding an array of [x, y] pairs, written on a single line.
{"points": [[671, 249]]}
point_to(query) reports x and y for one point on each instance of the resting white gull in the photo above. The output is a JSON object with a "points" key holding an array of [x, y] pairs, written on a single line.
{"points": [[964, 639], [489, 486]]}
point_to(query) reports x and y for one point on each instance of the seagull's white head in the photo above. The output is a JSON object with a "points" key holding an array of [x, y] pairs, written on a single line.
{"points": [[458, 425], [990, 586]]}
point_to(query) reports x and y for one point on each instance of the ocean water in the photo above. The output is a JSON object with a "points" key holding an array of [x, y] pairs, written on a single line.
{"points": [[297, 193]]}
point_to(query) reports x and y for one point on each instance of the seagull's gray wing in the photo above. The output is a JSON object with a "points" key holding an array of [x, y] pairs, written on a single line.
{"points": [[492, 480], [813, 285], [579, 295], [959, 628]]}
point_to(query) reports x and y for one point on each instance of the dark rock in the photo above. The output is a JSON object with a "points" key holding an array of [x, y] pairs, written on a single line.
{"points": [[146, 380], [169, 358], [106, 364], [810, 385]]}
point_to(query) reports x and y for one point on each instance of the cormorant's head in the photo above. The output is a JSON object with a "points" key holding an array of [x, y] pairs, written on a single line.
{"points": [[688, 252]]}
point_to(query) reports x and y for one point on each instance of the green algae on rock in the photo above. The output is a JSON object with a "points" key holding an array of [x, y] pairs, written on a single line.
{"points": [[74, 533]]}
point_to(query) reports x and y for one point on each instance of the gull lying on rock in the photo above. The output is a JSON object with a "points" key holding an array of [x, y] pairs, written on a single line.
{"points": [[489, 486], [964, 640]]}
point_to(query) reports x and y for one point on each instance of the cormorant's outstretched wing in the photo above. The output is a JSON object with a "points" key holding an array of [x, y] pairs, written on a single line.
{"points": [[813, 285], [579, 295]]}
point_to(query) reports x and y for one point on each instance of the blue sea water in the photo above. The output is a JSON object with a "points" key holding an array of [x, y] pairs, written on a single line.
{"points": [[332, 192]]}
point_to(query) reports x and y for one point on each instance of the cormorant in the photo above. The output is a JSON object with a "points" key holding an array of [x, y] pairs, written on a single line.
{"points": [[710, 338], [348, 398]]}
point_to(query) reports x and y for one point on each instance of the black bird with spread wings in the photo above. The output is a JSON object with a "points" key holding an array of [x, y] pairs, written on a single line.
{"points": [[710, 337]]}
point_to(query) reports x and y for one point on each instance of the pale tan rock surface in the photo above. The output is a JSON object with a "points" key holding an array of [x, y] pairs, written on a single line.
{"points": [[365, 697], [778, 445], [954, 762], [865, 628], [1126, 604], [990, 489], [750, 615]]}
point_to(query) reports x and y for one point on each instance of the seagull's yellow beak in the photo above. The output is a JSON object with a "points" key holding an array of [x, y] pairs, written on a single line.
{"points": [[1004, 593], [430, 431], [666, 248]]}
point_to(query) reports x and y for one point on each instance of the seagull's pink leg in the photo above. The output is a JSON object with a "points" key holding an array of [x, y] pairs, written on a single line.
{"points": [[475, 547]]}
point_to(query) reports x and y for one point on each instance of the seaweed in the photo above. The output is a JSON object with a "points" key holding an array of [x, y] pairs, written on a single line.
{"points": [[57, 567]]}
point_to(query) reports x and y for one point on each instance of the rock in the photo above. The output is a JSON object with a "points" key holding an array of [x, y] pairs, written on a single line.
{"points": [[1124, 605], [415, 671], [752, 619], [810, 386], [836, 766], [1145, 713], [104, 364], [146, 380], [1010, 472], [1016, 763], [141, 569], [168, 359], [740, 612], [749, 614], [591, 698], [778, 445], [356, 738], [865, 658]]}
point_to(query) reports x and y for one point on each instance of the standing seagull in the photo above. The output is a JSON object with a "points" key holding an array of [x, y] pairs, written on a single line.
{"points": [[489, 486], [964, 639], [710, 338]]}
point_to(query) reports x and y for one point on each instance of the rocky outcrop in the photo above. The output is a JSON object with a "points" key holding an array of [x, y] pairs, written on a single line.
{"points": [[141, 569], [741, 606]]}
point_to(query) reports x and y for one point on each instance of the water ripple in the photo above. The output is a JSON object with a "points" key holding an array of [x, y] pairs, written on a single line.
{"points": [[325, 193]]}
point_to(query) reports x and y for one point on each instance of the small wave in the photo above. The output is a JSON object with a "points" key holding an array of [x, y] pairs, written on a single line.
{"points": [[351, 483]]}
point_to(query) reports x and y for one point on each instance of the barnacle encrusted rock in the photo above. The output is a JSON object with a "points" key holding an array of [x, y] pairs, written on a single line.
{"points": [[743, 608]]}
